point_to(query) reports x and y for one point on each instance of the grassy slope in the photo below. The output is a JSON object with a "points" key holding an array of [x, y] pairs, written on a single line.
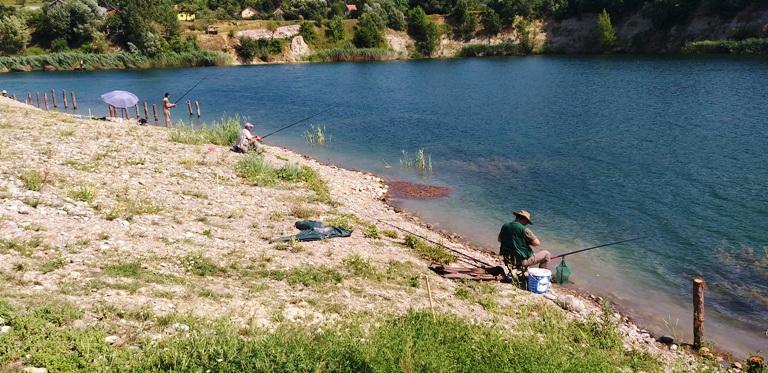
{"points": [[149, 249]]}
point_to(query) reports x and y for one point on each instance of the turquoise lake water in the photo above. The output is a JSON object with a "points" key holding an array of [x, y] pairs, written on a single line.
{"points": [[598, 148]]}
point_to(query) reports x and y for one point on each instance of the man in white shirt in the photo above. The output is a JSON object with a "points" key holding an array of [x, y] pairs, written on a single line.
{"points": [[246, 141]]}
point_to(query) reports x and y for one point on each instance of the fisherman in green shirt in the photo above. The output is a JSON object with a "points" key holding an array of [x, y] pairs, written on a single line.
{"points": [[517, 242]]}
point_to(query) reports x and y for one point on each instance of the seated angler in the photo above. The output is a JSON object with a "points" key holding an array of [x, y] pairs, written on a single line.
{"points": [[517, 242], [246, 141]]}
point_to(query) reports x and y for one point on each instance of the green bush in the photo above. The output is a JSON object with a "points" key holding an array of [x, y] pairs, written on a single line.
{"points": [[256, 171], [13, 35], [491, 21], [335, 31], [424, 31], [117, 60], [369, 31], [308, 32], [261, 48], [605, 30], [464, 18]]}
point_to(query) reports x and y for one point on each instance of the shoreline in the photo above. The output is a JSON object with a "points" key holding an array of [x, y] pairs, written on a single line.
{"points": [[357, 188]]}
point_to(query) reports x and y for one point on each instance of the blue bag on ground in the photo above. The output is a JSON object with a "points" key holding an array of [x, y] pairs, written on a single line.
{"points": [[312, 230]]}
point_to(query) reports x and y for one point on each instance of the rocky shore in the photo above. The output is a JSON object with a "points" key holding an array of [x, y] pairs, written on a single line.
{"points": [[120, 221]]}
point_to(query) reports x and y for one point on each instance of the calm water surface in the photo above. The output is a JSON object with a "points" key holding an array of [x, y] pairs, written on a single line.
{"points": [[600, 149]]}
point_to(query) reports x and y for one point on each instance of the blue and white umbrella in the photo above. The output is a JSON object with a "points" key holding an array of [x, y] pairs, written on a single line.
{"points": [[120, 99]]}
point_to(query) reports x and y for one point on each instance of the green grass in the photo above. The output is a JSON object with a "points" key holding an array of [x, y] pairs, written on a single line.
{"points": [[33, 180], [481, 293], [390, 233], [127, 208], [52, 265], [116, 60], [746, 46], [222, 132], [292, 246], [303, 212], [424, 250], [353, 55], [23, 247], [256, 171], [200, 265], [83, 194], [544, 341], [313, 276]]}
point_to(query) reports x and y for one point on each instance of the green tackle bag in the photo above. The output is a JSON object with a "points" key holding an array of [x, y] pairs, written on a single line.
{"points": [[562, 272]]}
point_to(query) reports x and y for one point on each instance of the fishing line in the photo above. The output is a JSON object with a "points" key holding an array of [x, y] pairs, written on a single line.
{"points": [[297, 122], [595, 247], [193, 87]]}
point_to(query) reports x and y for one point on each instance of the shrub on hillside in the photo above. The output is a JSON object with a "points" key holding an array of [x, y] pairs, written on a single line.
{"points": [[605, 29], [491, 21], [369, 31], [424, 31], [13, 35], [464, 18], [261, 48], [335, 31]]}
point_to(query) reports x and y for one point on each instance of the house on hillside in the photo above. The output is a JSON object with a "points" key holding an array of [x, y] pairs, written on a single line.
{"points": [[185, 16], [278, 14], [247, 13], [212, 30], [349, 9]]}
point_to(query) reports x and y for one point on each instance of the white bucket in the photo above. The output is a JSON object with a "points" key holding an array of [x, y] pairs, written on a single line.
{"points": [[539, 280]]}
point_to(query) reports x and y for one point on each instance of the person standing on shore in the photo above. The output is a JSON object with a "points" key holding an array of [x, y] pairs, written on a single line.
{"points": [[517, 242], [167, 106]]}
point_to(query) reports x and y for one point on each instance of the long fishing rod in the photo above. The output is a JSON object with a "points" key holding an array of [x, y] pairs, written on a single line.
{"points": [[595, 247], [439, 244], [193, 87], [297, 122]]}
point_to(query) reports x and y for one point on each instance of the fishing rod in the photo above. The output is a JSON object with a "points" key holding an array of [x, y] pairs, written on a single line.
{"points": [[595, 247], [193, 87], [297, 122], [439, 244]]}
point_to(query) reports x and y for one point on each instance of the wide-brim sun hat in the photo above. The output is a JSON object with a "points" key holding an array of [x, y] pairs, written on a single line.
{"points": [[525, 214], [248, 125]]}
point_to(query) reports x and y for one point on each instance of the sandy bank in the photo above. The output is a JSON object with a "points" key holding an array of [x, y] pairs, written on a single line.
{"points": [[111, 194]]}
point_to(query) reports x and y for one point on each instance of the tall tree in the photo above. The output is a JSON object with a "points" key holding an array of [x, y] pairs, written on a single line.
{"points": [[605, 29]]}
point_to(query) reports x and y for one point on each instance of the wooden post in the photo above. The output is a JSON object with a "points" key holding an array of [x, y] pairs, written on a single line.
{"points": [[146, 112], [429, 292], [74, 101], [698, 312], [37, 96], [53, 98], [137, 111], [45, 100], [189, 107], [755, 364], [64, 99], [29, 98], [197, 103], [154, 112]]}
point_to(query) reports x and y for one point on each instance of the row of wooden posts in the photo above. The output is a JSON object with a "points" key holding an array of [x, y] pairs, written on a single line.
{"points": [[44, 105], [113, 111]]}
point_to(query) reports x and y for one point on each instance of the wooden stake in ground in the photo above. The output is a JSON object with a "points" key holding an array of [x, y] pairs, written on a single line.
{"points": [[74, 100], [37, 96], [429, 292], [53, 98], [197, 103], [698, 312], [45, 100], [29, 99], [146, 112], [189, 107], [64, 99], [154, 112], [137, 111]]}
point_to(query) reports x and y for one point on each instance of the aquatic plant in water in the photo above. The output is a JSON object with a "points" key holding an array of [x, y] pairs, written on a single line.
{"points": [[421, 162], [316, 135]]}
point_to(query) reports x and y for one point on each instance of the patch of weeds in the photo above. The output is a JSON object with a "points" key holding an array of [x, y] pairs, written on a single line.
{"points": [[102, 236], [303, 212], [316, 184], [478, 292], [371, 231], [195, 193], [234, 214], [221, 132], [123, 269], [200, 265], [390, 233], [83, 194], [346, 221], [291, 172], [403, 273], [292, 245], [67, 133], [256, 171], [128, 207], [34, 227], [313, 276], [188, 163], [19, 267], [135, 162], [357, 266], [32, 201], [428, 251], [52, 265], [276, 216], [80, 166], [34, 180], [142, 314], [23, 247], [207, 233]]}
